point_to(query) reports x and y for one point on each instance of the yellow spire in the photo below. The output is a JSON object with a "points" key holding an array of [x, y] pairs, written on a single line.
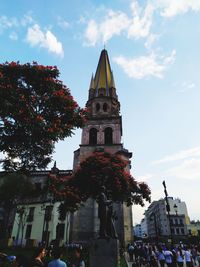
{"points": [[92, 86], [103, 77], [112, 81]]}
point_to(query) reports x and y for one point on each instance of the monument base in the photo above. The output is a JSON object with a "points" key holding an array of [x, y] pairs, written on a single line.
{"points": [[104, 253]]}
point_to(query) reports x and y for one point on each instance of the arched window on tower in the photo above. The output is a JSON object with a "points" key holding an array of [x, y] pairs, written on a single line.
{"points": [[97, 107], [108, 134], [105, 107], [93, 136]]}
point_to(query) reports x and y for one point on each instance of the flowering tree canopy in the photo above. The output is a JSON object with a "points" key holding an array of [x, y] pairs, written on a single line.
{"points": [[100, 169], [104, 169], [14, 188], [36, 110], [64, 191]]}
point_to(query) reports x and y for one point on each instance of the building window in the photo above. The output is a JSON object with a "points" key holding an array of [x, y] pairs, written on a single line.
{"points": [[176, 221], [93, 136], [60, 231], [105, 107], [31, 214], [172, 230], [182, 231], [48, 212], [38, 187], [97, 107], [177, 231], [28, 231], [108, 136]]}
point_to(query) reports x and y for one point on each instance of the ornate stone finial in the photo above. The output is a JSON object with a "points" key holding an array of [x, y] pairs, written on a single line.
{"points": [[54, 169]]}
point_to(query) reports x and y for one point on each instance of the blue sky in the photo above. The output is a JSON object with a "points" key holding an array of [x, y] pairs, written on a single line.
{"points": [[153, 47]]}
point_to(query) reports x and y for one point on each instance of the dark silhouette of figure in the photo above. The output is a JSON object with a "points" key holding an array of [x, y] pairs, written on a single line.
{"points": [[111, 217], [103, 213]]}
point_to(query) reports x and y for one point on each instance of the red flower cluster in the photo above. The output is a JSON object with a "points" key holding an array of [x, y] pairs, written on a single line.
{"points": [[38, 105], [100, 169]]}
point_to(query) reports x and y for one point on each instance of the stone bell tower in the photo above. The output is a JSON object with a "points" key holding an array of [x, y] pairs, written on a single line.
{"points": [[102, 131]]}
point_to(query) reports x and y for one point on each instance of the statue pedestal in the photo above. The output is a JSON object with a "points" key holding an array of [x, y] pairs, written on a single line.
{"points": [[104, 253]]}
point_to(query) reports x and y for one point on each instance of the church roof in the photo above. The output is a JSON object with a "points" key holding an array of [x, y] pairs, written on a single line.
{"points": [[103, 77]]}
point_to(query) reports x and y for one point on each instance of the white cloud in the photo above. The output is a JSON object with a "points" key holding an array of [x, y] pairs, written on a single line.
{"points": [[138, 24], [63, 24], [13, 22], [170, 8], [6, 22], [181, 155], [150, 40], [145, 177], [141, 22], [188, 169], [91, 33], [13, 36], [26, 20], [135, 8], [113, 24], [186, 86], [145, 66], [36, 37]]}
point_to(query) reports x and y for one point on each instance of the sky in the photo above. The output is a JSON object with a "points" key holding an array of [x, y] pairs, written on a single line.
{"points": [[153, 47]]}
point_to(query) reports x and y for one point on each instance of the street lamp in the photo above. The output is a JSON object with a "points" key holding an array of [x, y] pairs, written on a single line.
{"points": [[168, 209]]}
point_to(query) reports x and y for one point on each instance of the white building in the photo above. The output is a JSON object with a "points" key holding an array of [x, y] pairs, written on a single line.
{"points": [[137, 230], [158, 223], [38, 220], [144, 227], [40, 223]]}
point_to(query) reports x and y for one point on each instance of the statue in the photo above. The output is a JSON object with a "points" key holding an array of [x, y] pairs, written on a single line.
{"points": [[106, 216], [111, 217]]}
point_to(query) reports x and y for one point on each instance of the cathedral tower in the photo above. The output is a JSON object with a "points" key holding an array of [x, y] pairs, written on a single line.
{"points": [[102, 131]]}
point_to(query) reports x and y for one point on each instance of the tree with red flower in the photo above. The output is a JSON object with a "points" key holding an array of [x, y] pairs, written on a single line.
{"points": [[99, 169], [36, 111], [109, 170]]}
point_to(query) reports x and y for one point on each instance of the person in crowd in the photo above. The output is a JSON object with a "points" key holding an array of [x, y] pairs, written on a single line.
{"points": [[168, 257], [161, 256], [21, 261], [152, 257], [78, 261], [38, 260], [194, 254], [136, 252], [130, 252], [57, 262], [179, 257], [198, 254], [188, 257], [174, 261]]}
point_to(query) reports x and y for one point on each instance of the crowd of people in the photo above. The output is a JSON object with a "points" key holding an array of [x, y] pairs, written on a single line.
{"points": [[162, 255], [45, 258]]}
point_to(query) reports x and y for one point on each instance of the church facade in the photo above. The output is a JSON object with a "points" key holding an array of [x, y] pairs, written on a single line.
{"points": [[102, 132]]}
